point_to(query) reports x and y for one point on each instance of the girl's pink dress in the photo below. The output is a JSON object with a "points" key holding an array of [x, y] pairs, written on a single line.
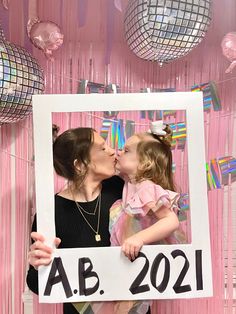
{"points": [[134, 213]]}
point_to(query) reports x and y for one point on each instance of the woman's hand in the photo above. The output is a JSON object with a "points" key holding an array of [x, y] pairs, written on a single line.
{"points": [[132, 246], [40, 254]]}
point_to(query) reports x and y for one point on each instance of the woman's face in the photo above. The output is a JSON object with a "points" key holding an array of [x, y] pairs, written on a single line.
{"points": [[102, 159], [127, 161]]}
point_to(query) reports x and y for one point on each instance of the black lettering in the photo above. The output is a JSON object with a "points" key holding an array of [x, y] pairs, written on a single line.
{"points": [[84, 274], [61, 277], [198, 267], [177, 286], [155, 266], [136, 287]]}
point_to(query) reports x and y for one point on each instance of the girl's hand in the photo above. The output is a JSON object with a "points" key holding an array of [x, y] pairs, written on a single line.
{"points": [[40, 254], [132, 246]]}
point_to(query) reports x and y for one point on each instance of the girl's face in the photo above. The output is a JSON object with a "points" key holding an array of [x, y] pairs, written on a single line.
{"points": [[102, 159], [127, 161]]}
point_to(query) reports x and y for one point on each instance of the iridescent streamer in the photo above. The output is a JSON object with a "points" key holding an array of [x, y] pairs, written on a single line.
{"points": [[215, 96], [113, 133], [210, 180], [215, 173], [82, 87], [129, 128], [227, 167], [106, 124], [87, 87], [184, 201], [210, 95], [179, 135], [120, 135]]}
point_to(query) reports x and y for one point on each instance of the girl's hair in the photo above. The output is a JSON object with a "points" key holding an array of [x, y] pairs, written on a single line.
{"points": [[71, 149], [155, 159]]}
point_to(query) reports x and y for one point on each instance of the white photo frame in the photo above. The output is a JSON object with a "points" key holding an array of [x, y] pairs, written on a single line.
{"points": [[172, 271]]}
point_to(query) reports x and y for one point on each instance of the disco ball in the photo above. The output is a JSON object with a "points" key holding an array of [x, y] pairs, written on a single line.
{"points": [[164, 30], [20, 78]]}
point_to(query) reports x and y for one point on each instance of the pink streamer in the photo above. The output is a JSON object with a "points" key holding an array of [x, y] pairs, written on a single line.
{"points": [[5, 218], [82, 57]]}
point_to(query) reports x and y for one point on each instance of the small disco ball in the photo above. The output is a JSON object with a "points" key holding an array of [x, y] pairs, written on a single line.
{"points": [[164, 30], [20, 78]]}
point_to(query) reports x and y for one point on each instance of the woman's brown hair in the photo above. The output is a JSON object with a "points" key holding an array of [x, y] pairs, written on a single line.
{"points": [[71, 149]]}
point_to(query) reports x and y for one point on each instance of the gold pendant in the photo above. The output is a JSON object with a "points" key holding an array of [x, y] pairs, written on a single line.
{"points": [[97, 237]]}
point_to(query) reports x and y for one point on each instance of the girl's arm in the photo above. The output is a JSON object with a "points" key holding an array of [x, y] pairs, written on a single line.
{"points": [[166, 224]]}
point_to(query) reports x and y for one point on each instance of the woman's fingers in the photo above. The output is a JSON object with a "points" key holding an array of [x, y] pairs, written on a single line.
{"points": [[37, 258], [37, 236], [40, 253], [57, 241], [38, 245]]}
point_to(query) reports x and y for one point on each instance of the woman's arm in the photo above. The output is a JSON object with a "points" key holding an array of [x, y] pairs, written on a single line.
{"points": [[167, 222]]}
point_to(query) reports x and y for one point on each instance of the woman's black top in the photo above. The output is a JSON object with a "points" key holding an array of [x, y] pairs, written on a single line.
{"points": [[74, 232]]}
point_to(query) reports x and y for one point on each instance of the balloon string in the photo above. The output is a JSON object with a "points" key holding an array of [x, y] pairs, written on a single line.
{"points": [[135, 90], [17, 157], [138, 124]]}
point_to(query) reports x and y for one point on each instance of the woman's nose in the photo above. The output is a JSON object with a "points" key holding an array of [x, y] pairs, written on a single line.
{"points": [[111, 151]]}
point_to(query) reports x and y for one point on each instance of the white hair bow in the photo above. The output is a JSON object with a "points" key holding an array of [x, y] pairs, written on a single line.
{"points": [[157, 127]]}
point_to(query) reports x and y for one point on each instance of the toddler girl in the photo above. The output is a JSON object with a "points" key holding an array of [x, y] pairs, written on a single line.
{"points": [[149, 201]]}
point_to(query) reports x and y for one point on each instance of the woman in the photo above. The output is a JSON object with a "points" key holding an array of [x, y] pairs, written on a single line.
{"points": [[82, 209]]}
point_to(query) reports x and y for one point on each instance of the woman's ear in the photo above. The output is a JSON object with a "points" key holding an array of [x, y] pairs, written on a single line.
{"points": [[80, 168], [76, 165]]}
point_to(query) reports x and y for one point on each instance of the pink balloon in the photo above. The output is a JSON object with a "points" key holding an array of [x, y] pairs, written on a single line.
{"points": [[46, 36], [228, 46]]}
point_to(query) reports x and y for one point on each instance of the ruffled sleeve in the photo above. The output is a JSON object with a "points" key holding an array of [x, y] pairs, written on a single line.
{"points": [[149, 195]]}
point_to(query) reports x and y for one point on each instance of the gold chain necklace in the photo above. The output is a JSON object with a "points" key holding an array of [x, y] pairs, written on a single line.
{"points": [[97, 235], [95, 209]]}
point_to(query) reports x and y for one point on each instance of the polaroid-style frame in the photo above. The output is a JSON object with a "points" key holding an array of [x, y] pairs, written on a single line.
{"points": [[102, 274]]}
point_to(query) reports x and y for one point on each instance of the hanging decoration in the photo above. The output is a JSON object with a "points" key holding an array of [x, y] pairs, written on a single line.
{"points": [[157, 114], [227, 167], [210, 95], [228, 46], [211, 100], [183, 205], [219, 170], [165, 30], [87, 87], [20, 78], [110, 124], [112, 127], [179, 136], [45, 35]]}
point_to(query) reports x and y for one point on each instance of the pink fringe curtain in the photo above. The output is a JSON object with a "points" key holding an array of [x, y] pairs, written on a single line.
{"points": [[89, 45]]}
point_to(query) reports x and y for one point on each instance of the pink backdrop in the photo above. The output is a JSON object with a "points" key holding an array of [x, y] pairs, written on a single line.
{"points": [[94, 48]]}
